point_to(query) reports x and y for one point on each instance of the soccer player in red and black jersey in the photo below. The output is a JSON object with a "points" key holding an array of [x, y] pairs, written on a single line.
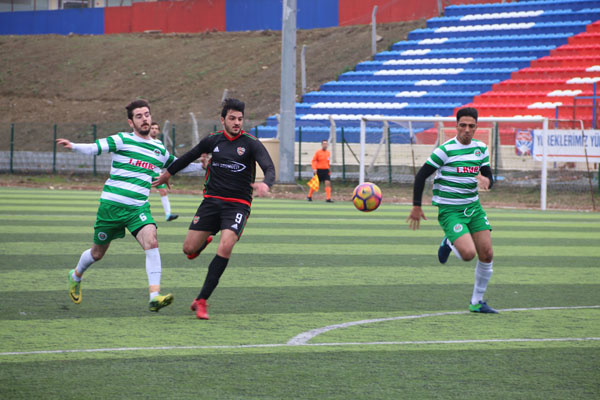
{"points": [[228, 188]]}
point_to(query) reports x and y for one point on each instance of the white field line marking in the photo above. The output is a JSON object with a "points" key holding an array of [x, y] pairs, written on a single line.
{"points": [[258, 346], [304, 337], [297, 342]]}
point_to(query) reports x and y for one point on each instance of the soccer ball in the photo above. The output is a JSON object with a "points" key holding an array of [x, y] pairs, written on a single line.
{"points": [[366, 197]]}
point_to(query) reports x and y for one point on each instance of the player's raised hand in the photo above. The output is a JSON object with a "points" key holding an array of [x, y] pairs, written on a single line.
{"points": [[414, 218], [261, 188], [65, 142], [163, 178]]}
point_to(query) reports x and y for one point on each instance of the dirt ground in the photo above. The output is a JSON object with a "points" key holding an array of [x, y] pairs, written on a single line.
{"points": [[89, 79]]}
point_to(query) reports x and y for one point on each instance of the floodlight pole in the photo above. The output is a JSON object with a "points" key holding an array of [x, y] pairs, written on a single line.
{"points": [[287, 126]]}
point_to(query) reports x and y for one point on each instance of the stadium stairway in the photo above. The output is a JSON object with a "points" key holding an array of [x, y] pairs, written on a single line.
{"points": [[506, 59]]}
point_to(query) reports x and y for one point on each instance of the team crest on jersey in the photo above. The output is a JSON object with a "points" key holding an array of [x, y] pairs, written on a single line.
{"points": [[477, 153], [102, 236], [458, 228], [156, 152], [241, 151], [196, 219]]}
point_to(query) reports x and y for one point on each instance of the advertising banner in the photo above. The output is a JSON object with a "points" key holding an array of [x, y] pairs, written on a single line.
{"points": [[570, 145]]}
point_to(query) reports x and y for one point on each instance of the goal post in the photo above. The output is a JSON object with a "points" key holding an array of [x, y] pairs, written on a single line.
{"points": [[442, 123]]}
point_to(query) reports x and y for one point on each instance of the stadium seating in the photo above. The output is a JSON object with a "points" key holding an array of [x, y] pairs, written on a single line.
{"points": [[506, 59]]}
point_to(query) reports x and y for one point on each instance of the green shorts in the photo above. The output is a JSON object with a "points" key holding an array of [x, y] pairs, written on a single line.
{"points": [[458, 220], [162, 186], [112, 220]]}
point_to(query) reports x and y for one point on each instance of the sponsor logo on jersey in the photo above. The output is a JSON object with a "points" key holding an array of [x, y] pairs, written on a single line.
{"points": [[102, 236], [467, 170], [241, 151], [216, 149], [458, 228], [233, 167], [141, 164], [196, 219]]}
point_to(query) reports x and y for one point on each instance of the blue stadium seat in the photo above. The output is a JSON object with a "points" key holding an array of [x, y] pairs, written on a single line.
{"points": [[467, 9], [483, 52], [460, 62], [399, 86], [518, 16], [555, 39], [498, 30]]}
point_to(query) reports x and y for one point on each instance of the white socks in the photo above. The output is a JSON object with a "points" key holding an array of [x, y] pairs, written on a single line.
{"points": [[483, 273], [153, 266], [166, 205], [84, 263]]}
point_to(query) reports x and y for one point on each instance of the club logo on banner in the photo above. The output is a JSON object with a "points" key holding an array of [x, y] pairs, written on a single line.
{"points": [[523, 142], [570, 145]]}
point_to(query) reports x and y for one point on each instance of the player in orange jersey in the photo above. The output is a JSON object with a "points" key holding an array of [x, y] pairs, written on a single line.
{"points": [[320, 166]]}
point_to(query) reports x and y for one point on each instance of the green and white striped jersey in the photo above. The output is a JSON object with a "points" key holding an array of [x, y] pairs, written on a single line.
{"points": [[135, 163], [458, 165]]}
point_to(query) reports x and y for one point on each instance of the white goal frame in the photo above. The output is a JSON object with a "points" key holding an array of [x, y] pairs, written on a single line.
{"points": [[543, 120]]}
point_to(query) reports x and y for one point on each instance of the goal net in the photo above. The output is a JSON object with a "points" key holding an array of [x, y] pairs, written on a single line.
{"points": [[392, 149]]}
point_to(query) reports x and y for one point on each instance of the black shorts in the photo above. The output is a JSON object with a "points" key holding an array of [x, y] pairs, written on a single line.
{"points": [[214, 215], [323, 175]]}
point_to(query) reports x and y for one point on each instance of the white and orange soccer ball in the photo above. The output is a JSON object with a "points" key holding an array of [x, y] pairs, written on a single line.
{"points": [[367, 197]]}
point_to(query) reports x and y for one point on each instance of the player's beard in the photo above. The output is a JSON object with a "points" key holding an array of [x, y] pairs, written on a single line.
{"points": [[231, 132], [144, 130]]}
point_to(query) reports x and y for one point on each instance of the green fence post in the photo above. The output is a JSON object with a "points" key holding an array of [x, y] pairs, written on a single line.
{"points": [[389, 157], [94, 132], [173, 140], [214, 128], [299, 152], [54, 152], [256, 131], [12, 145], [343, 157]]}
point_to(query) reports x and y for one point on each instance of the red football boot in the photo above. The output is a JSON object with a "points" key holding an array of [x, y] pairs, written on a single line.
{"points": [[200, 307]]}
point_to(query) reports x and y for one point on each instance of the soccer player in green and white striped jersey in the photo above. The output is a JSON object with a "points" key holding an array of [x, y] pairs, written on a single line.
{"points": [[457, 164], [124, 200]]}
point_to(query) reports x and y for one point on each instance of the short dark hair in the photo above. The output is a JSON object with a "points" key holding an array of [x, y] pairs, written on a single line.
{"points": [[155, 123], [232, 104], [135, 104], [467, 112]]}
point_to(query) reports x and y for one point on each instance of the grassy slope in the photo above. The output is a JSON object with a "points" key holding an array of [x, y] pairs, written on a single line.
{"points": [[57, 79]]}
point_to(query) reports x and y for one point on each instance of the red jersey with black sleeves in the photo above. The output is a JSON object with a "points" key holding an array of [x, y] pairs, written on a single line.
{"points": [[232, 167]]}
